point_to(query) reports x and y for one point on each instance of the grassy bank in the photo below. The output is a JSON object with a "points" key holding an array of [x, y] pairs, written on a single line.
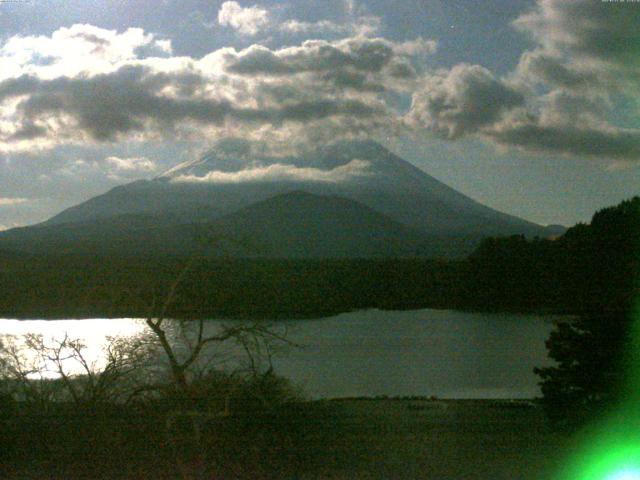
{"points": [[446, 439], [334, 439]]}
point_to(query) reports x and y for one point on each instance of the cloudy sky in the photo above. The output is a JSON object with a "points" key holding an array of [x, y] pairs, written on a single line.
{"points": [[530, 107]]}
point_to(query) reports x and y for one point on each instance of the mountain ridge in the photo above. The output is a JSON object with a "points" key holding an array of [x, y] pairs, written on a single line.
{"points": [[386, 196], [395, 187], [296, 224]]}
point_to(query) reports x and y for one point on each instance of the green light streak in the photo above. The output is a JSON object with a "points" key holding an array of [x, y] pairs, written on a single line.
{"points": [[612, 449], [631, 474]]}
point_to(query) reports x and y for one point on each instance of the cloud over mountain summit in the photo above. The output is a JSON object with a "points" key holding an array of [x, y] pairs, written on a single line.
{"points": [[281, 172], [84, 84]]}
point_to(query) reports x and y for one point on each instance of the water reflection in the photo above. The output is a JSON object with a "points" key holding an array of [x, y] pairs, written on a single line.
{"points": [[94, 334], [423, 352]]}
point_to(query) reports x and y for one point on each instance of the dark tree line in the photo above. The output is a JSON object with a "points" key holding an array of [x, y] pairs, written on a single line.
{"points": [[592, 271], [589, 269], [81, 286]]}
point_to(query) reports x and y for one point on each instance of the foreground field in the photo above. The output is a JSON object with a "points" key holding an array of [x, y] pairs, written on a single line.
{"points": [[438, 440], [334, 439]]}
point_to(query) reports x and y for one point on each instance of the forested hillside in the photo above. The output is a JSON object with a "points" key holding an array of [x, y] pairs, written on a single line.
{"points": [[590, 268]]}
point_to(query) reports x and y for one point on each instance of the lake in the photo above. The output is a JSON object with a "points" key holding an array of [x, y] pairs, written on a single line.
{"points": [[449, 354]]}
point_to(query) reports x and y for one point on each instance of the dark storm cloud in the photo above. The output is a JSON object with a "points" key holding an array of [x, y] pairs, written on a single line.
{"points": [[554, 71], [307, 111], [349, 79], [233, 147], [258, 59], [587, 54], [363, 54], [560, 97], [106, 105], [28, 131], [461, 101], [593, 29], [583, 44], [14, 87], [583, 61], [560, 106], [569, 124], [127, 100], [567, 139]]}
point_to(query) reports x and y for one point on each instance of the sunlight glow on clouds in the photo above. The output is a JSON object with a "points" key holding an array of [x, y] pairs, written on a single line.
{"points": [[251, 21], [75, 50], [85, 85], [247, 21], [313, 92]]}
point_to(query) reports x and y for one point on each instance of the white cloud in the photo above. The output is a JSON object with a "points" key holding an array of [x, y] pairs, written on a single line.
{"points": [[10, 201], [297, 26], [79, 49], [366, 25], [132, 164], [416, 47], [247, 21], [315, 91], [255, 19], [281, 172]]}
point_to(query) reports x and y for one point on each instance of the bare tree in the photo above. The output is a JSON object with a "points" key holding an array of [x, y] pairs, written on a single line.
{"points": [[23, 374], [189, 347], [43, 370], [192, 350]]}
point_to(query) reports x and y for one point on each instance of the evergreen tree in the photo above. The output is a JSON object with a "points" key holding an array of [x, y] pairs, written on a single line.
{"points": [[599, 267]]}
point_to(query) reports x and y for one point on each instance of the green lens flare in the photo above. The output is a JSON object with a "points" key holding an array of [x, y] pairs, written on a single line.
{"points": [[625, 474], [612, 462], [612, 450]]}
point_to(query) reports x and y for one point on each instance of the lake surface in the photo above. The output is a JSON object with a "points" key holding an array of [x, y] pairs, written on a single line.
{"points": [[445, 353]]}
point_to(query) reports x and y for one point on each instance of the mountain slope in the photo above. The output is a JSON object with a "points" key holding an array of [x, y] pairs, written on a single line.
{"points": [[214, 186], [300, 224], [292, 225]]}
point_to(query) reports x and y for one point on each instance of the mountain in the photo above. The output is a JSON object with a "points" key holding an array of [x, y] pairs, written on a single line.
{"points": [[350, 199], [291, 225], [303, 225], [383, 181]]}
